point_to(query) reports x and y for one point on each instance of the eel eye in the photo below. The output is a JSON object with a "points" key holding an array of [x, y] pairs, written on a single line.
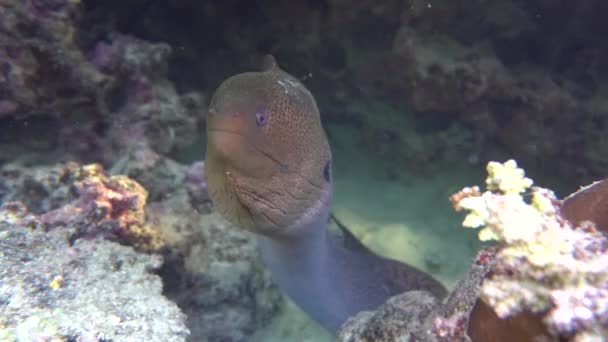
{"points": [[260, 118], [327, 171]]}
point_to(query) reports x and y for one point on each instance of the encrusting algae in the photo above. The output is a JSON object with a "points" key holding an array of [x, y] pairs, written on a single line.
{"points": [[545, 265]]}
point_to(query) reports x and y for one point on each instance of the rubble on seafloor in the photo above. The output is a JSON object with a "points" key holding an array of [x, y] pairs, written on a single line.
{"points": [[88, 259]]}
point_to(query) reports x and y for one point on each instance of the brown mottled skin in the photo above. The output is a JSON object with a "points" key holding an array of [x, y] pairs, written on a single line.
{"points": [[273, 168], [268, 169]]}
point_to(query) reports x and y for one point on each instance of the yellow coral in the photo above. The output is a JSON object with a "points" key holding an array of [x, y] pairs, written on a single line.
{"points": [[92, 170], [542, 201], [56, 282], [544, 264], [479, 212], [507, 178], [488, 234], [516, 219], [501, 217]]}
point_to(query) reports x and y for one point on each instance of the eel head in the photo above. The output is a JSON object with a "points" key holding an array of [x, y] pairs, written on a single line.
{"points": [[268, 162]]}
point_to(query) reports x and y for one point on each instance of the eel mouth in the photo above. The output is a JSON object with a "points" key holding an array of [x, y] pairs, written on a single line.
{"points": [[241, 168], [227, 131], [251, 145]]}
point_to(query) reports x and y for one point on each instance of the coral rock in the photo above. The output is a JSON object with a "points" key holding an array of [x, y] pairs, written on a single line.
{"points": [[55, 288], [86, 198]]}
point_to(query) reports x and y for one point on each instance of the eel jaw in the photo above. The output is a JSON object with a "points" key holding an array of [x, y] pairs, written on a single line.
{"points": [[234, 167], [252, 189], [223, 194]]}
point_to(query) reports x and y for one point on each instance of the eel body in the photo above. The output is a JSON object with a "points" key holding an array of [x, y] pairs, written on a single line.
{"points": [[268, 170]]}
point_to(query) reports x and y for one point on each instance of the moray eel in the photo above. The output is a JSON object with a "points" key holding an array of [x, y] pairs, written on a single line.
{"points": [[269, 171]]}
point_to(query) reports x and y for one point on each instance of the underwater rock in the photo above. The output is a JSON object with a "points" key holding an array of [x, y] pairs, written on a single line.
{"points": [[123, 56], [160, 175], [144, 105], [164, 178], [500, 109], [100, 92], [85, 198], [213, 272], [523, 95], [43, 71], [196, 184], [485, 325], [46, 81], [40, 188], [590, 203], [403, 316], [427, 320], [56, 288]]}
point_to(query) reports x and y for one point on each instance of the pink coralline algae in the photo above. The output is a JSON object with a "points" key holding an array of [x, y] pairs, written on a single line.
{"points": [[112, 206]]}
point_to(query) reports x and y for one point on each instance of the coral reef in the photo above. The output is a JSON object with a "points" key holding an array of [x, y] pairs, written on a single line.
{"points": [[57, 288], [211, 269], [488, 67], [85, 198], [122, 84], [421, 81], [546, 266], [147, 106], [43, 70], [105, 95]]}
